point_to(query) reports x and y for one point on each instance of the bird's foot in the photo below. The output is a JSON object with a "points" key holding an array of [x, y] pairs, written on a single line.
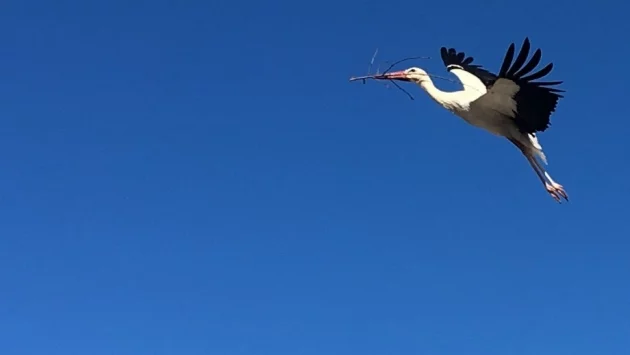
{"points": [[557, 192]]}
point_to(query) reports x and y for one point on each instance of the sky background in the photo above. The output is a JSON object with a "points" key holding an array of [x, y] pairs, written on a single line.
{"points": [[201, 178]]}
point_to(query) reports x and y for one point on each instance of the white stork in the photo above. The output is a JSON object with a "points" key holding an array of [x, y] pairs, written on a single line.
{"points": [[511, 104]]}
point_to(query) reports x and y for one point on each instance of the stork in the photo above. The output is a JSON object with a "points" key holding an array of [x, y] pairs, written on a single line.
{"points": [[510, 104]]}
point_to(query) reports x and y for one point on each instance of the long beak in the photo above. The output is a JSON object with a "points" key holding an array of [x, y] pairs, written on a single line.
{"points": [[397, 75]]}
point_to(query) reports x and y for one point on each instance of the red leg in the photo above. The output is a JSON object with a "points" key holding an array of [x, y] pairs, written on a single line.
{"points": [[553, 188]]}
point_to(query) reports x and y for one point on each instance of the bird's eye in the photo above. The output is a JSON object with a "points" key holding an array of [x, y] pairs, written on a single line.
{"points": [[412, 70]]}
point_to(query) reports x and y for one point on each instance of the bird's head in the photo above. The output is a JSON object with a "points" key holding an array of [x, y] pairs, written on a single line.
{"points": [[413, 74]]}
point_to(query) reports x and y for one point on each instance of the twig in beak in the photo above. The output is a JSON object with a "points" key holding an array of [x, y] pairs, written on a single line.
{"points": [[365, 77], [372, 63], [381, 77], [384, 75], [403, 60], [403, 90]]}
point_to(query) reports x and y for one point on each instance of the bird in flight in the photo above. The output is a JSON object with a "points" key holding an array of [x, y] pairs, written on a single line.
{"points": [[510, 104]]}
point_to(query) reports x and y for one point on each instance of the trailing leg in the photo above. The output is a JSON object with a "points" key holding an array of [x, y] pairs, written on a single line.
{"points": [[553, 188]]}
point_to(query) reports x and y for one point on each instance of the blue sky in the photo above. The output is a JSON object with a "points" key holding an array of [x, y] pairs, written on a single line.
{"points": [[201, 178]]}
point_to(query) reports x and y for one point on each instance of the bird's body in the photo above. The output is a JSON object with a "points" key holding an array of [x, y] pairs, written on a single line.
{"points": [[509, 104]]}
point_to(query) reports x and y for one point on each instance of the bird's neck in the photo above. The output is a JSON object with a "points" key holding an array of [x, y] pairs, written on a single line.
{"points": [[449, 100]]}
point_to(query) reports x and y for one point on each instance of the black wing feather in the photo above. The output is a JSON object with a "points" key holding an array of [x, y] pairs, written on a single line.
{"points": [[539, 74], [451, 57], [532, 63], [535, 101], [520, 59], [508, 59]]}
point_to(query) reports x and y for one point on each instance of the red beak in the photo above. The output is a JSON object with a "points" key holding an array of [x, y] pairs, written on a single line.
{"points": [[397, 75]]}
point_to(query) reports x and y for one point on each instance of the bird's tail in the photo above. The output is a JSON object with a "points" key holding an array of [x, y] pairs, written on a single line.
{"points": [[536, 147]]}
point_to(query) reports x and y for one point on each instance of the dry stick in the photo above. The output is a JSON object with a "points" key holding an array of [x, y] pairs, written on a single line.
{"points": [[401, 89], [379, 76], [376, 76], [382, 76], [369, 76], [403, 60], [372, 63]]}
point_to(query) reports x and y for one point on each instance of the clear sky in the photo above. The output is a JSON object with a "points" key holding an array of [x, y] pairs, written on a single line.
{"points": [[201, 178]]}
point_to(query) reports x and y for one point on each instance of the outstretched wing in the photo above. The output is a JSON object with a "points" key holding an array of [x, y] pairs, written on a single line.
{"points": [[535, 101], [458, 60]]}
